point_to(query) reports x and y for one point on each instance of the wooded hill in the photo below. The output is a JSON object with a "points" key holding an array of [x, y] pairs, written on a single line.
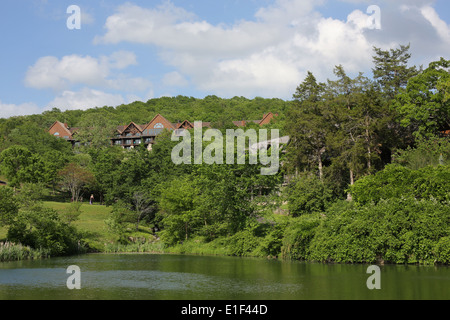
{"points": [[380, 141]]}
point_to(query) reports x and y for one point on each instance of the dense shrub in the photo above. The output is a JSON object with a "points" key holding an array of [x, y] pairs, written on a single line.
{"points": [[243, 243], [297, 237], [428, 152], [396, 181], [394, 230], [41, 228], [308, 194], [8, 206]]}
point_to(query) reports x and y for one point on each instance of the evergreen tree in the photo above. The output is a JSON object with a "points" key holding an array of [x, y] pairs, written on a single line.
{"points": [[391, 69], [307, 126]]}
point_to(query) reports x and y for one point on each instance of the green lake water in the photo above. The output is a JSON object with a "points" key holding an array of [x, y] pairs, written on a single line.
{"points": [[180, 277]]}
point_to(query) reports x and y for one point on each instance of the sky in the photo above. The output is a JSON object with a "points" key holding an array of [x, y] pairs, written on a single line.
{"points": [[126, 51]]}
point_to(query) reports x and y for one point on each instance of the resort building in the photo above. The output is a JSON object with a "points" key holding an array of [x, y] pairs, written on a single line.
{"points": [[133, 135]]}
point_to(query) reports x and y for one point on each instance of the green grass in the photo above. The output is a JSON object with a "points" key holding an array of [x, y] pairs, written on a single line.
{"points": [[91, 222]]}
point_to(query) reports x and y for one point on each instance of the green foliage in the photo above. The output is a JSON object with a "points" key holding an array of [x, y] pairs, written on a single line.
{"points": [[19, 165], [395, 230], [16, 252], [308, 194], [298, 235], [342, 132], [40, 227], [427, 152], [391, 69], [30, 194], [9, 207], [424, 105], [72, 213], [396, 181], [118, 220], [243, 243]]}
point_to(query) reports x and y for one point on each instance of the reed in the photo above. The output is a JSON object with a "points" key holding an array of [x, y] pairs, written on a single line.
{"points": [[149, 247], [15, 252]]}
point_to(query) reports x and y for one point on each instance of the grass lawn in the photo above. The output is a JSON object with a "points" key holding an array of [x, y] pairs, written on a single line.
{"points": [[91, 222]]}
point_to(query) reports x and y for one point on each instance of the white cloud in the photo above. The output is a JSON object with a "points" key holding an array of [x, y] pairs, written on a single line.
{"points": [[86, 18], [174, 79], [268, 56], [59, 74], [9, 110], [440, 25], [85, 99]]}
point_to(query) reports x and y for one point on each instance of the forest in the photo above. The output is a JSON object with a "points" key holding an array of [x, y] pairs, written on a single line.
{"points": [[365, 177]]}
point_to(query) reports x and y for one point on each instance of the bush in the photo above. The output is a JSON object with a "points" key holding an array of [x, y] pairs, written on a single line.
{"points": [[394, 230], [442, 250], [308, 194], [41, 228], [297, 237], [396, 181], [243, 243], [8, 206], [428, 152], [270, 244]]}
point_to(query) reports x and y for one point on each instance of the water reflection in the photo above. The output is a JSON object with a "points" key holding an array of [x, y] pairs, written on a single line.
{"points": [[176, 277]]}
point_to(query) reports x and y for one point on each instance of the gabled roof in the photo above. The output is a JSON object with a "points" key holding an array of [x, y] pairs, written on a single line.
{"points": [[159, 119], [61, 127], [266, 119], [131, 125], [185, 125]]}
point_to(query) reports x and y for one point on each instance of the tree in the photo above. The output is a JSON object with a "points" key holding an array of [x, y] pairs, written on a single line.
{"points": [[106, 165], [36, 139], [95, 131], [347, 139], [143, 206], [41, 227], [391, 69], [53, 161], [15, 162], [73, 177], [308, 194], [308, 125], [9, 207], [178, 210], [425, 104]]}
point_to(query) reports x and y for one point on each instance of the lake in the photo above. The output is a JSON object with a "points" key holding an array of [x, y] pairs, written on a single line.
{"points": [[184, 277]]}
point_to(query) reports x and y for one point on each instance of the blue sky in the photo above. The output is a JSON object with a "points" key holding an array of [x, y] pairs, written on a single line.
{"points": [[137, 50]]}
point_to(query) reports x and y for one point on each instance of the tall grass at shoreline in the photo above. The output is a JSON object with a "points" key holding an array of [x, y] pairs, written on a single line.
{"points": [[135, 248], [16, 252]]}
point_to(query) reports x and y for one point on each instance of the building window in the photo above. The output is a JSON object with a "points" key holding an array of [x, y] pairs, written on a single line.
{"points": [[56, 134], [159, 126]]}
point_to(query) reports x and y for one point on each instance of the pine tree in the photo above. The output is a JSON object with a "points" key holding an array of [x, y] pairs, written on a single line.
{"points": [[391, 69]]}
